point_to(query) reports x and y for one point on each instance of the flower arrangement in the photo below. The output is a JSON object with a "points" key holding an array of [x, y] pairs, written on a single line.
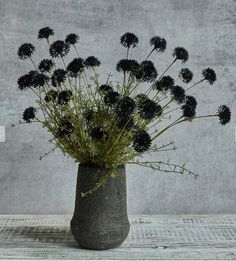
{"points": [[107, 124]]}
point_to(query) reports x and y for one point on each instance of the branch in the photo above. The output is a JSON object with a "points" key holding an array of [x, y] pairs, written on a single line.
{"points": [[172, 168]]}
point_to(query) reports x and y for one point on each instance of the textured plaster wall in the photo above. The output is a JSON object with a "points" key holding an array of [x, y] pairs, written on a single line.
{"points": [[205, 27]]}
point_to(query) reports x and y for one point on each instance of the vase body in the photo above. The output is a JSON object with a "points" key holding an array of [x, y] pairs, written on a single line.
{"points": [[100, 219]]}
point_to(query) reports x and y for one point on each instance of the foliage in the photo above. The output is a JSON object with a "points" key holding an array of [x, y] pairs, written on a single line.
{"points": [[108, 124]]}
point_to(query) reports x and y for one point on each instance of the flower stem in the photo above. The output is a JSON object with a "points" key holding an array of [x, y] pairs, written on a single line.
{"points": [[149, 54], [167, 69], [194, 85]]}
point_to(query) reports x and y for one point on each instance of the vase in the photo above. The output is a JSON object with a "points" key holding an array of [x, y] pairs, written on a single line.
{"points": [[100, 219]]}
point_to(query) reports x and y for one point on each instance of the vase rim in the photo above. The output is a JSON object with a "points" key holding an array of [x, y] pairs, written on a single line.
{"points": [[97, 167]]}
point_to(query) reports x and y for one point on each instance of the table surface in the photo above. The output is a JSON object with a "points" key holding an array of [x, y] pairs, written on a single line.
{"points": [[150, 237]]}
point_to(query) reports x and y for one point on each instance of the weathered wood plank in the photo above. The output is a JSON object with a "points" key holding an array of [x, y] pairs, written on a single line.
{"points": [[151, 237]]}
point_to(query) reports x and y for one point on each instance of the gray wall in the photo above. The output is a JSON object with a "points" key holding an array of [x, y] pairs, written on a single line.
{"points": [[205, 27]]}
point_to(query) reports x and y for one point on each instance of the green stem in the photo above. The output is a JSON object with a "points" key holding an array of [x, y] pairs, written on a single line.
{"points": [[194, 85], [167, 69], [76, 50], [149, 54], [185, 119], [127, 54]]}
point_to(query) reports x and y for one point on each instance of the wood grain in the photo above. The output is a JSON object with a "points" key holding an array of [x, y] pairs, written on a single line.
{"points": [[151, 237]]}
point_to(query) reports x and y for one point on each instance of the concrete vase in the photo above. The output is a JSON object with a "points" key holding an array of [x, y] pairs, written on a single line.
{"points": [[100, 219]]}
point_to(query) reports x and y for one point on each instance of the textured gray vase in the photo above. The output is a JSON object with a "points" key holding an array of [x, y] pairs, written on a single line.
{"points": [[100, 220]]}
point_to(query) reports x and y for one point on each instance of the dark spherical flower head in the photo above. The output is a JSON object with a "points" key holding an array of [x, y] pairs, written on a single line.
{"points": [[126, 65], [188, 111], [25, 81], [72, 39], [224, 114], [64, 97], [39, 79], [181, 53], [91, 61], [65, 129], [141, 141], [111, 98], [133, 66], [123, 65], [75, 67], [45, 33], [58, 77], [158, 43], [149, 109], [164, 84], [88, 115], [32, 79], [186, 75], [59, 48], [146, 72], [105, 88], [33, 72], [191, 101], [46, 65], [29, 114], [51, 96], [25, 51], [178, 94], [125, 106], [98, 133], [209, 75], [129, 40], [140, 99]]}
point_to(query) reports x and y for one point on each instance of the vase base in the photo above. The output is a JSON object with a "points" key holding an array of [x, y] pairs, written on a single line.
{"points": [[100, 239]]}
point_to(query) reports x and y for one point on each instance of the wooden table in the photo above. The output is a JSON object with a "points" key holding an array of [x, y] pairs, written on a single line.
{"points": [[151, 237]]}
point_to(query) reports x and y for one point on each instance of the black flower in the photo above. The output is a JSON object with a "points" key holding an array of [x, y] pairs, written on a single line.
{"points": [[178, 93], [125, 106], [91, 61], [25, 81], [186, 75], [105, 88], [75, 67], [224, 114], [209, 75], [141, 141], [25, 51], [181, 54], [111, 98], [39, 79], [29, 114], [126, 65], [188, 111], [98, 133], [149, 109], [140, 99], [158, 43], [164, 84], [129, 40], [45, 33], [58, 77], [190, 100], [88, 115], [65, 129], [122, 65], [46, 65], [51, 96], [64, 97], [72, 39], [146, 72], [59, 48]]}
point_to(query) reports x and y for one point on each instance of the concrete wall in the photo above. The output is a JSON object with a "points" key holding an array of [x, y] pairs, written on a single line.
{"points": [[206, 28]]}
